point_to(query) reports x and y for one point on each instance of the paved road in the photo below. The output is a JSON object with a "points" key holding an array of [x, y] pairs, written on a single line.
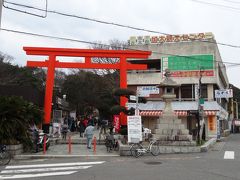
{"points": [[220, 163]]}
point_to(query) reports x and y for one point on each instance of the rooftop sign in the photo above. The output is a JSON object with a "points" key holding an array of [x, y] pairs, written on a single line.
{"points": [[144, 40]]}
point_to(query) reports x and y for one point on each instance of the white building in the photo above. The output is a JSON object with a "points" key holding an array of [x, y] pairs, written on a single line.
{"points": [[188, 57]]}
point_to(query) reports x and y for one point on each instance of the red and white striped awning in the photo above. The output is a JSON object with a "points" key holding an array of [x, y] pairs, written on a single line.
{"points": [[156, 113], [210, 113], [150, 113], [180, 113]]}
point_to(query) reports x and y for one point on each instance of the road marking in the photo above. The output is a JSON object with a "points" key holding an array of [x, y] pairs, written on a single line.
{"points": [[35, 160], [36, 175], [229, 155], [44, 169], [56, 165]]}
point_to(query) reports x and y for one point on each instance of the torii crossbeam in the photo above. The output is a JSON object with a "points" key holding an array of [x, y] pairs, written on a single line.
{"points": [[52, 63]]}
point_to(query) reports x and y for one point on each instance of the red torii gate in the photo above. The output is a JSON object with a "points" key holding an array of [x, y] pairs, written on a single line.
{"points": [[52, 63]]}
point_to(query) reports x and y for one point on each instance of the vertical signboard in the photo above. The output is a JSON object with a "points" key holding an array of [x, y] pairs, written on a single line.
{"points": [[116, 122], [134, 129]]}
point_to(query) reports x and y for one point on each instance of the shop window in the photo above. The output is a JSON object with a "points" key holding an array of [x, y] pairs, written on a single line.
{"points": [[204, 90], [186, 91]]}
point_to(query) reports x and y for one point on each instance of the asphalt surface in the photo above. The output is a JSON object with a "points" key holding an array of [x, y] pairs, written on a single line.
{"points": [[220, 163]]}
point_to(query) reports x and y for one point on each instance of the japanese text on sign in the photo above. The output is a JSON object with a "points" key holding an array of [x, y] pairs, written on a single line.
{"points": [[226, 93], [134, 129]]}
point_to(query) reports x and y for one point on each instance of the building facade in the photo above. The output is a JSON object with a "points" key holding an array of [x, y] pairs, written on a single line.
{"points": [[195, 63]]}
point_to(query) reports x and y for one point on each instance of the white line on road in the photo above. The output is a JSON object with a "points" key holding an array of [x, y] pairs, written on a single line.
{"points": [[52, 165], [44, 169], [36, 175], [229, 155]]}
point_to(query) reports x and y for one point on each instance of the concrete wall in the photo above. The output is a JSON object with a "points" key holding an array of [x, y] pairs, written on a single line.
{"points": [[210, 92], [142, 78]]}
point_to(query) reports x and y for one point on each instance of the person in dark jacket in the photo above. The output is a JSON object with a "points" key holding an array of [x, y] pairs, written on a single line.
{"points": [[81, 127]]}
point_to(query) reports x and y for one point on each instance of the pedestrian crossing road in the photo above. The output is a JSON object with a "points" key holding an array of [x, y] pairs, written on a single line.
{"points": [[43, 170]]}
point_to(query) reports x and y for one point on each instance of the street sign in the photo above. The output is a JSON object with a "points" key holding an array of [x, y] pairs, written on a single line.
{"points": [[145, 91], [201, 101], [133, 98], [225, 93], [129, 105]]}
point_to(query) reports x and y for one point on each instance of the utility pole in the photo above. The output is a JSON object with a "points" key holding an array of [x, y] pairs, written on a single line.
{"points": [[137, 104], [200, 110], [1, 5]]}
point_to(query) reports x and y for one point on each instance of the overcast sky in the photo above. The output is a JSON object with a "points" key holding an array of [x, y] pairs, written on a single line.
{"points": [[167, 16]]}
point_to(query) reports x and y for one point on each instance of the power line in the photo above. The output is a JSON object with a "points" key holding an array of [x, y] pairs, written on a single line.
{"points": [[26, 6], [237, 2], [105, 45], [116, 24], [217, 5]]}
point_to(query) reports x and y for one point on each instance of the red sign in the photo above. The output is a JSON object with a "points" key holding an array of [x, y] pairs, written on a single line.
{"points": [[116, 122], [192, 73]]}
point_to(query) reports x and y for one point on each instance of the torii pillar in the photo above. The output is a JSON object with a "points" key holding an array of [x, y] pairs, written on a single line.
{"points": [[52, 63]]}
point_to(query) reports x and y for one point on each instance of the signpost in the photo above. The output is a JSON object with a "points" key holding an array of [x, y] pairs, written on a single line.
{"points": [[133, 98], [218, 129], [134, 129]]}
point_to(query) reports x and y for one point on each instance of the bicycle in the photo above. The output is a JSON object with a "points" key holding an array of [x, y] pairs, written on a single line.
{"points": [[138, 150], [111, 143], [5, 156]]}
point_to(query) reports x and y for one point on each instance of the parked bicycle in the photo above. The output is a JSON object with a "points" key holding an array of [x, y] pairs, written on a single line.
{"points": [[111, 143], [137, 149], [5, 156]]}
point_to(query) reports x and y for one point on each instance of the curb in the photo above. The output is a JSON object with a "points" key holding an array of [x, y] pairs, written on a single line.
{"points": [[23, 157], [208, 144]]}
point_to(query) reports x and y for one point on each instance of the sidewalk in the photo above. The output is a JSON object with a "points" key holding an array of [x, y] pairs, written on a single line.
{"points": [[78, 148]]}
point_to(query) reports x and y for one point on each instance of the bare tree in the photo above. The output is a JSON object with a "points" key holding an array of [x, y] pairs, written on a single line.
{"points": [[5, 58], [113, 45]]}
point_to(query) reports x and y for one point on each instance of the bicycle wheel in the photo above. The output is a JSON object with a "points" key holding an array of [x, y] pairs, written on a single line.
{"points": [[5, 157], [155, 150], [134, 150]]}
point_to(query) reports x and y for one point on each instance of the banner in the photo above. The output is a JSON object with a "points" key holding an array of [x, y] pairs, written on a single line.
{"points": [[116, 122]]}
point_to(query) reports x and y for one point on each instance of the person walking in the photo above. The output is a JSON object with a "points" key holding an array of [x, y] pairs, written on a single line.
{"points": [[85, 123], [89, 134], [81, 127], [102, 125]]}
